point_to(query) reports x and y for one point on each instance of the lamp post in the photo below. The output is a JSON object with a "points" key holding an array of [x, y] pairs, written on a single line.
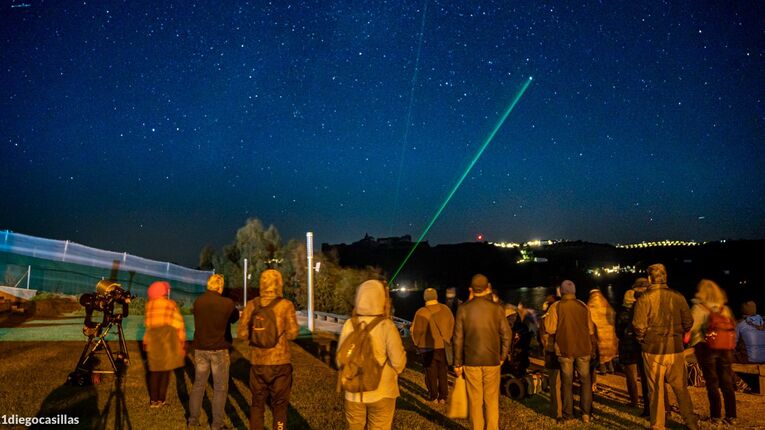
{"points": [[309, 255], [245, 282]]}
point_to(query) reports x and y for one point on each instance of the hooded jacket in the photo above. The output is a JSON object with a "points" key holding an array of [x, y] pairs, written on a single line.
{"points": [[751, 331], [286, 325], [604, 318], [386, 342]]}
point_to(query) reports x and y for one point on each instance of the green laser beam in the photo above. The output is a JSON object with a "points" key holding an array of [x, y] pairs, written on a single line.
{"points": [[462, 178]]}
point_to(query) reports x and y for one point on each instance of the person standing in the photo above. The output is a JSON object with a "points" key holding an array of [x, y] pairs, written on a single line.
{"points": [[568, 322], [552, 365], [630, 355], [432, 330], [373, 409], [711, 318], [213, 315], [271, 368], [164, 340], [604, 318], [481, 343], [661, 319]]}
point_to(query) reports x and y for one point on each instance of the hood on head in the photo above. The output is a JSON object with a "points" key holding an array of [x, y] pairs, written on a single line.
{"points": [[271, 284], [158, 289], [370, 298]]}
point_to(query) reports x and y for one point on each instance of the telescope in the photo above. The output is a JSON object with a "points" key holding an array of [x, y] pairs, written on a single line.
{"points": [[108, 294]]}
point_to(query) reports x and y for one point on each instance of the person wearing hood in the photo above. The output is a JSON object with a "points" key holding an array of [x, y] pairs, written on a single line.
{"points": [[604, 318], [750, 331], [431, 332], [374, 409], [271, 368], [481, 343], [715, 363], [164, 340]]}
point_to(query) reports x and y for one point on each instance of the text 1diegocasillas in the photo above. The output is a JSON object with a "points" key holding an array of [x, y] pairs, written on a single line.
{"points": [[60, 419]]}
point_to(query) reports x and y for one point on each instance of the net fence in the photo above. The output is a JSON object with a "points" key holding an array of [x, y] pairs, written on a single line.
{"points": [[70, 268]]}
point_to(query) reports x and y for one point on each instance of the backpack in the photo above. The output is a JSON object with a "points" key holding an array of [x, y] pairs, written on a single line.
{"points": [[359, 370], [720, 332], [262, 327]]}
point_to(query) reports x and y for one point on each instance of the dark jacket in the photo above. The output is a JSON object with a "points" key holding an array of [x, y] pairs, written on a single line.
{"points": [[432, 327], [481, 333], [569, 321], [661, 318], [212, 315], [629, 347]]}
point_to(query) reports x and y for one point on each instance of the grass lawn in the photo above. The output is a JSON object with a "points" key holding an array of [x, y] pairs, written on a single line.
{"points": [[32, 376]]}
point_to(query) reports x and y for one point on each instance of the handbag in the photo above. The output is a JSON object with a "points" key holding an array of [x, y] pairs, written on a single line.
{"points": [[458, 402]]}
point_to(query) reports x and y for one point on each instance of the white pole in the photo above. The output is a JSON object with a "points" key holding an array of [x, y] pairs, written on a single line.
{"points": [[66, 246], [29, 275], [309, 254], [245, 282]]}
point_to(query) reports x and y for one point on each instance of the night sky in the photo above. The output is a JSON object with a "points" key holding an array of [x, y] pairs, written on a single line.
{"points": [[158, 127]]}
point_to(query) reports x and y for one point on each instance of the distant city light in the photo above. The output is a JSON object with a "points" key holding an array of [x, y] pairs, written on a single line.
{"points": [[663, 243]]}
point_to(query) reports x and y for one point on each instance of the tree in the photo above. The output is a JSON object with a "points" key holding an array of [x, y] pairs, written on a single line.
{"points": [[206, 257], [262, 248], [334, 286]]}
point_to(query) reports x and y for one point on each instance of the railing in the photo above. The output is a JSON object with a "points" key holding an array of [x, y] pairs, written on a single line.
{"points": [[402, 324]]}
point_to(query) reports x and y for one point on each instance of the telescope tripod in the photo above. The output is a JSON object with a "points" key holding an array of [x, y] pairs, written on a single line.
{"points": [[85, 373]]}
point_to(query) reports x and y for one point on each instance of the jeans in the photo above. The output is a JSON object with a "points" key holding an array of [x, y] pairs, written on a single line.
{"points": [[567, 380], [217, 363], [274, 383], [434, 362], [718, 374], [483, 396], [370, 416], [670, 368], [553, 378]]}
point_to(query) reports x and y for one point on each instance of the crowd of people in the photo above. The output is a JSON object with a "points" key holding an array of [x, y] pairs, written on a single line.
{"points": [[650, 339]]}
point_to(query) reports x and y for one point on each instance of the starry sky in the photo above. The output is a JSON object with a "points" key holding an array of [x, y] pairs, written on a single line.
{"points": [[158, 127]]}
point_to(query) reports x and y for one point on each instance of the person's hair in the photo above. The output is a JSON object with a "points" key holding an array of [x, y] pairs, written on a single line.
{"points": [[479, 283], [657, 274], [215, 282], [709, 292]]}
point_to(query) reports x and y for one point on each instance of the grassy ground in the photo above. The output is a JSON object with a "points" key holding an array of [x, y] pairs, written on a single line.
{"points": [[32, 376]]}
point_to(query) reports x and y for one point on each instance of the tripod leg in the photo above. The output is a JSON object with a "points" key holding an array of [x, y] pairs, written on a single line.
{"points": [[123, 345]]}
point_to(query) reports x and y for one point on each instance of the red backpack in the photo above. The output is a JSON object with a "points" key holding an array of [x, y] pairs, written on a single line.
{"points": [[721, 331]]}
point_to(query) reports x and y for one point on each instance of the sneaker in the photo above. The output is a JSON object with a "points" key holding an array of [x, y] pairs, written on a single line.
{"points": [[155, 404], [586, 419], [731, 421]]}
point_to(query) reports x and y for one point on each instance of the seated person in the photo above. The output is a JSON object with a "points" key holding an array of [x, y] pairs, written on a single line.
{"points": [[750, 335]]}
